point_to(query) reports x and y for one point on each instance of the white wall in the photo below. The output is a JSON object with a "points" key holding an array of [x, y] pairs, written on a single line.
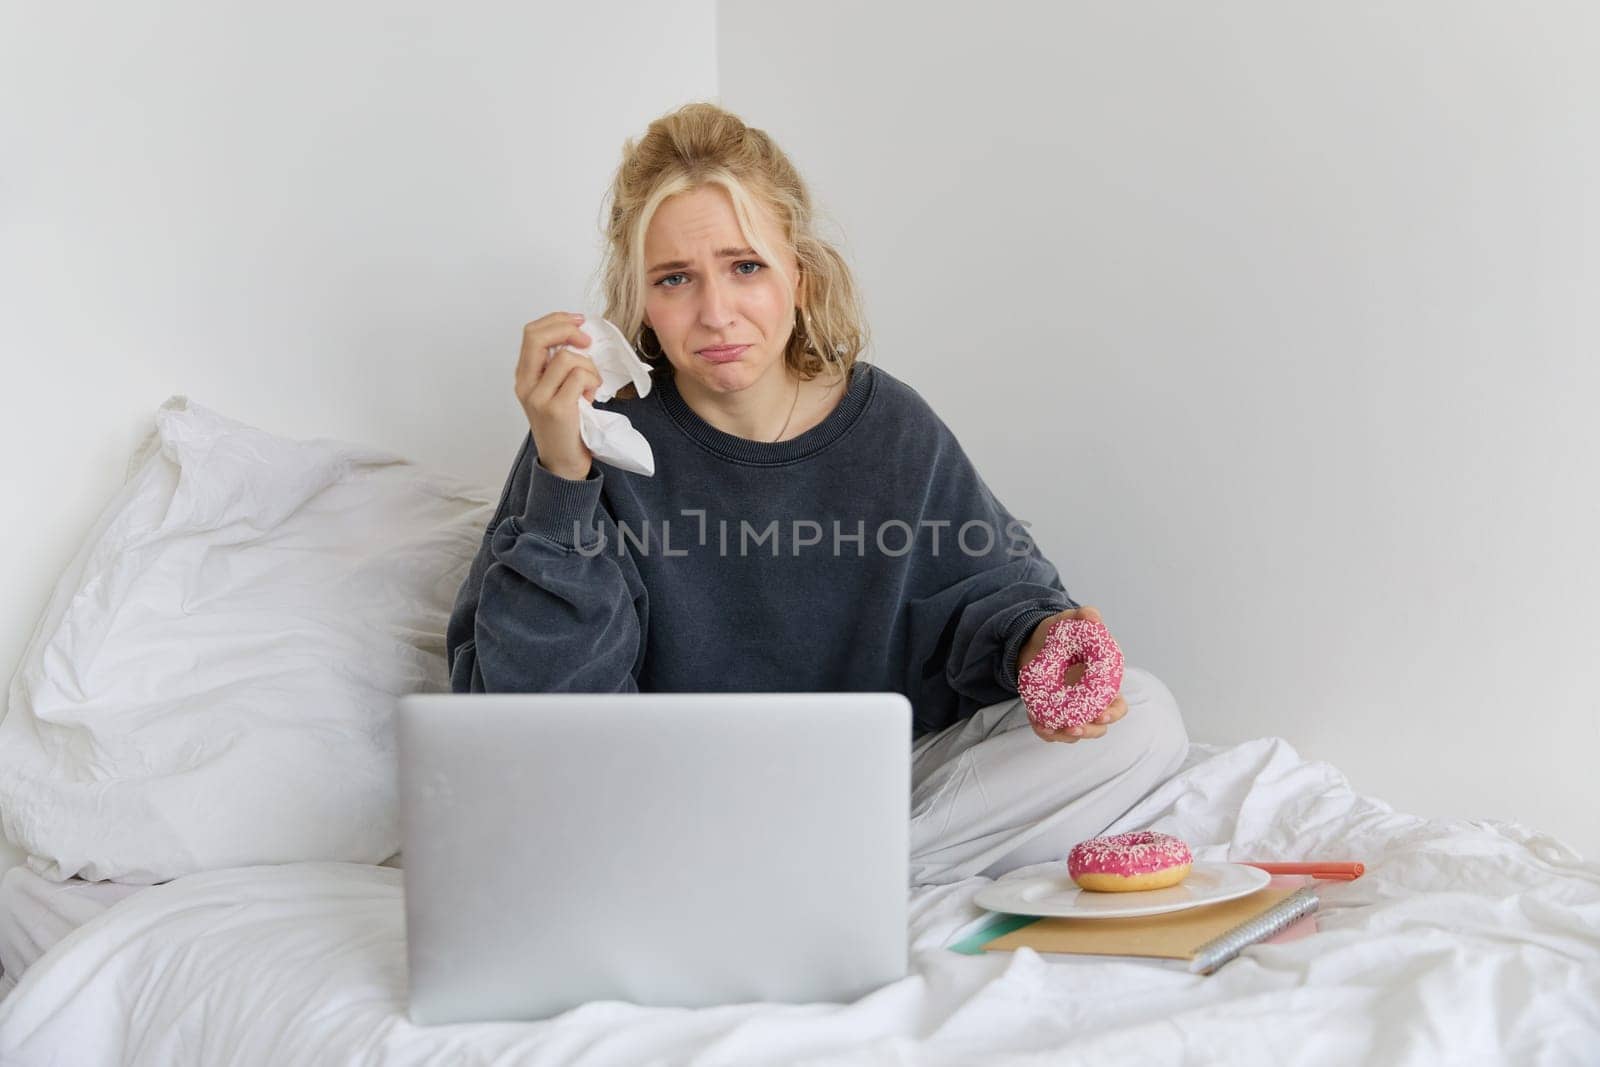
{"points": [[323, 219], [1279, 324]]}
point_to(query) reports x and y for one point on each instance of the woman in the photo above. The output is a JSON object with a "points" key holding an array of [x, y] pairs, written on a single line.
{"points": [[812, 525]]}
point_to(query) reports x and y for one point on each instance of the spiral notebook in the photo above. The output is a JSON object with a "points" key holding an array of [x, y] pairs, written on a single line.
{"points": [[1196, 939]]}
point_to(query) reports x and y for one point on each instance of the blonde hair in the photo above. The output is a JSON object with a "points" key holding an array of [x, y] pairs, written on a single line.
{"points": [[702, 144]]}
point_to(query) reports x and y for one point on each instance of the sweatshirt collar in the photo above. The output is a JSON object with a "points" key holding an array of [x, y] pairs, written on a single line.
{"points": [[863, 383]]}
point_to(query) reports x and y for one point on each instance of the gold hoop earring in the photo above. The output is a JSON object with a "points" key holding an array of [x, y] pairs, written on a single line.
{"points": [[644, 353]]}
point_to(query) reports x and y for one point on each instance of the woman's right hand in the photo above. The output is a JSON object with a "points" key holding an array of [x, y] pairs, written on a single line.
{"points": [[548, 387]]}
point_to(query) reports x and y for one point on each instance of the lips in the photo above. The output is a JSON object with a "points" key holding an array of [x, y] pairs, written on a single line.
{"points": [[722, 353]]}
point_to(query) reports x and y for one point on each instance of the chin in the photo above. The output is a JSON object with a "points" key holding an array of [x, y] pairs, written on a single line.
{"points": [[724, 377], [728, 379]]}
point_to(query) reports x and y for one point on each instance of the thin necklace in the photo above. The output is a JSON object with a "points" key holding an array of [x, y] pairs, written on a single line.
{"points": [[791, 412]]}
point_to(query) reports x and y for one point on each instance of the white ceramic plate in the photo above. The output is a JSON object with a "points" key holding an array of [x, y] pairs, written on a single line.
{"points": [[1058, 896]]}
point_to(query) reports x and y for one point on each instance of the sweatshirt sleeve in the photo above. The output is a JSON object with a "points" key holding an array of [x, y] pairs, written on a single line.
{"points": [[985, 591], [550, 603]]}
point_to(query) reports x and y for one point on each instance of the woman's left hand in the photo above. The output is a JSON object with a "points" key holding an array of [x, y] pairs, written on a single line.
{"points": [[1035, 642]]}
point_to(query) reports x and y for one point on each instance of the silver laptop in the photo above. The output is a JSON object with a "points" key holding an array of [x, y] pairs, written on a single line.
{"points": [[673, 849]]}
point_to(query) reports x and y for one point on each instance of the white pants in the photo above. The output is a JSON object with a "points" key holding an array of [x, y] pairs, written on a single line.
{"points": [[988, 795]]}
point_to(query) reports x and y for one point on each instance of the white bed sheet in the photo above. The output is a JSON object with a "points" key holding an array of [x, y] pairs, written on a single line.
{"points": [[36, 913], [1466, 942]]}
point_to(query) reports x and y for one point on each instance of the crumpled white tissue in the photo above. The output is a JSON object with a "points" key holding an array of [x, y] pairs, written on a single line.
{"points": [[609, 435]]}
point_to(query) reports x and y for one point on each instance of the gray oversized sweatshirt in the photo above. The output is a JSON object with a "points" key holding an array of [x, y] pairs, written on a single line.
{"points": [[865, 554]]}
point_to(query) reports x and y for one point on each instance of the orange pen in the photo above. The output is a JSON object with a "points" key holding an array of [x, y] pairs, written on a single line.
{"points": [[1327, 871]]}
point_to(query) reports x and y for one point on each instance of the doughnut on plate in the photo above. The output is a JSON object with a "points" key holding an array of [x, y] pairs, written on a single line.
{"points": [[1056, 895]]}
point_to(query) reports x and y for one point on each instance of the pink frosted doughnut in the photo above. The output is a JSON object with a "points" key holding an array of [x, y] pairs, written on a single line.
{"points": [[1142, 859], [1067, 643]]}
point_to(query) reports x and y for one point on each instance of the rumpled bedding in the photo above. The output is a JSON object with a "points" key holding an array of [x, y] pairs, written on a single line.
{"points": [[1466, 941], [36, 913]]}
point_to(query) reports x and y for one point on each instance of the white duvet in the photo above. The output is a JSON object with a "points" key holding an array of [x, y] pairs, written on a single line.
{"points": [[1466, 942]]}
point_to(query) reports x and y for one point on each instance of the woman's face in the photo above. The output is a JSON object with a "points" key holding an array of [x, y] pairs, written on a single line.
{"points": [[705, 288]]}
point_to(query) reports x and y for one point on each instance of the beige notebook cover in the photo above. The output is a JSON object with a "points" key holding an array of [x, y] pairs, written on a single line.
{"points": [[1175, 935]]}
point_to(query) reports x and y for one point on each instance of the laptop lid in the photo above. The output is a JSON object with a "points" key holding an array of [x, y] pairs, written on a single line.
{"points": [[669, 849]]}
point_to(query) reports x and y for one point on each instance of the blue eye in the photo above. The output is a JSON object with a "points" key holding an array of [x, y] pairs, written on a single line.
{"points": [[749, 263]]}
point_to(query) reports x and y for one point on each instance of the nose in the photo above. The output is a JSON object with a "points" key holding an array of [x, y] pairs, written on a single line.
{"points": [[715, 311]]}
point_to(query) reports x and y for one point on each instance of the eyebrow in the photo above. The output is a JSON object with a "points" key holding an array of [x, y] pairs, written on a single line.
{"points": [[722, 253]]}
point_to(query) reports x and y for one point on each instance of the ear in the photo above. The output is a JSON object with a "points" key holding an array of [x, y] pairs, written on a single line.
{"points": [[800, 292]]}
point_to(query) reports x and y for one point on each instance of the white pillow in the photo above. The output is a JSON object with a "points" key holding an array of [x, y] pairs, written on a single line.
{"points": [[213, 681]]}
